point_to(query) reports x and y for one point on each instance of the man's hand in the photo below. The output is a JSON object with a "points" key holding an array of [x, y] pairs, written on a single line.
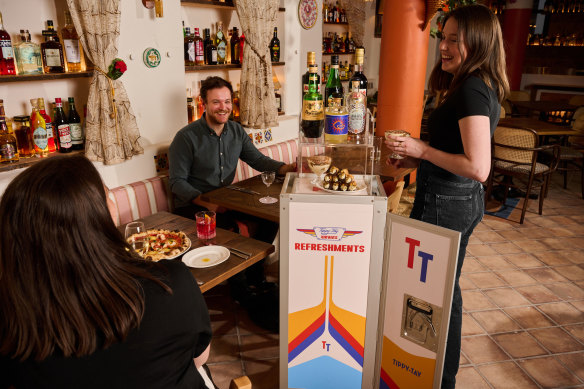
{"points": [[286, 169]]}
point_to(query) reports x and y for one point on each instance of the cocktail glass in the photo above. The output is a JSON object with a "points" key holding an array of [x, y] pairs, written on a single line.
{"points": [[206, 225], [319, 164], [388, 135]]}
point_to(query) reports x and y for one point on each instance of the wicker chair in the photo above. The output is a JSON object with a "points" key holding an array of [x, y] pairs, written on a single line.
{"points": [[514, 156]]}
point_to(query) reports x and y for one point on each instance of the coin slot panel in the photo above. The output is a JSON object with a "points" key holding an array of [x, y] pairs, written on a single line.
{"points": [[421, 322]]}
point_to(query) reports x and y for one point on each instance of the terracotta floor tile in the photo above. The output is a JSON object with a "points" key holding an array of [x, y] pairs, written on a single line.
{"points": [[556, 340], [576, 330], [506, 248], [554, 243], [534, 232], [532, 246], [481, 349], [489, 236], [506, 297], [260, 346], [468, 377], [479, 250], [574, 256], [562, 220], [512, 235], [523, 260], [466, 284], [519, 344], [574, 243], [574, 362], [224, 349], [264, 373], [578, 304], [495, 262], [538, 294], [471, 265], [552, 258], [548, 372], [495, 321], [561, 231], [562, 313], [463, 359], [470, 326], [474, 240], [496, 223], [485, 280], [474, 300], [528, 317], [506, 375], [545, 275], [223, 373], [543, 221], [567, 291], [515, 277], [573, 273]]}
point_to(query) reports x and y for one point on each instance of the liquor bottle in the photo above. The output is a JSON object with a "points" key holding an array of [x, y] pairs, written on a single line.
{"points": [[348, 44], [241, 44], [189, 48], [236, 111], [211, 52], [336, 122], [310, 61], [235, 47], [6, 54], [52, 142], [72, 45], [52, 51], [341, 44], [22, 133], [28, 55], [199, 49], [358, 71], [357, 108], [206, 43], [312, 120], [325, 12], [275, 47], [278, 100], [191, 112], [38, 129], [75, 126], [8, 147], [61, 126], [228, 47], [221, 44], [330, 14], [334, 88]]}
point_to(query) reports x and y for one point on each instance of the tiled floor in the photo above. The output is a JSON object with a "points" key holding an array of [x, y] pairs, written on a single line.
{"points": [[523, 293]]}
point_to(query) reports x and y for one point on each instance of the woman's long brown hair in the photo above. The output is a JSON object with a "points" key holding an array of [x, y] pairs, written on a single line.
{"points": [[480, 33], [67, 277]]}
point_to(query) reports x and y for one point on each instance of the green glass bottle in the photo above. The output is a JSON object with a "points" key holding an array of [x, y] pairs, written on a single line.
{"points": [[334, 88], [312, 122]]}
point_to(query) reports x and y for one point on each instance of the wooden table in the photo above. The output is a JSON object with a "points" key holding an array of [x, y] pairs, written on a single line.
{"points": [[539, 126], [209, 277], [543, 106], [389, 172], [246, 202]]}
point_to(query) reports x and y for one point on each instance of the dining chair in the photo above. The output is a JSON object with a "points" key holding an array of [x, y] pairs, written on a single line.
{"points": [[514, 164], [394, 197]]}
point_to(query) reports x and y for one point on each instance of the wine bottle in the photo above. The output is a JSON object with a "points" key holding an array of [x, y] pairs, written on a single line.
{"points": [[235, 47], [358, 71], [61, 126], [6, 53], [206, 43], [275, 47], [312, 120], [75, 126], [334, 88], [310, 61]]}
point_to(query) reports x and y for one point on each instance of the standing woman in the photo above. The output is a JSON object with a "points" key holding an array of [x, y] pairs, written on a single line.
{"points": [[471, 82], [78, 308]]}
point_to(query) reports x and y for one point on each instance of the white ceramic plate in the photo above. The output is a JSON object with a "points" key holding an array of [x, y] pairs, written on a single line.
{"points": [[206, 256], [361, 189]]}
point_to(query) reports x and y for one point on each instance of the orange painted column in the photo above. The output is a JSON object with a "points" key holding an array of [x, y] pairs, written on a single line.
{"points": [[402, 67], [515, 28]]}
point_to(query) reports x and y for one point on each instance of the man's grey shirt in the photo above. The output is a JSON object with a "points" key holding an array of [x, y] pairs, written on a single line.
{"points": [[201, 161]]}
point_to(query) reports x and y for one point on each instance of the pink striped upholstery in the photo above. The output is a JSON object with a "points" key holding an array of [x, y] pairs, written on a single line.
{"points": [[142, 198]]}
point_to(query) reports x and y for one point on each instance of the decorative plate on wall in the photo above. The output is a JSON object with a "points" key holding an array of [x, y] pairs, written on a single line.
{"points": [[307, 13]]}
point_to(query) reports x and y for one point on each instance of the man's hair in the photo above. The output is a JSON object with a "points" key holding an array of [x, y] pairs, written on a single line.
{"points": [[214, 82], [480, 33], [69, 282]]}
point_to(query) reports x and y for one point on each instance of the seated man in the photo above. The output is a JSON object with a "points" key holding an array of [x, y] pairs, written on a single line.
{"points": [[203, 156]]}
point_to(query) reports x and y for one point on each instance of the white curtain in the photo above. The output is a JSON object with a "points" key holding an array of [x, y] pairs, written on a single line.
{"points": [[111, 130], [257, 99]]}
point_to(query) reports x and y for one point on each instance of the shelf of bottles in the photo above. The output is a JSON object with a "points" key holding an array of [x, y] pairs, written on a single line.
{"points": [[216, 4], [44, 77], [26, 162], [197, 68]]}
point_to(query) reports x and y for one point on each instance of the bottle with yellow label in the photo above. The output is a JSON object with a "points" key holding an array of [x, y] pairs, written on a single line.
{"points": [[38, 128], [312, 108]]}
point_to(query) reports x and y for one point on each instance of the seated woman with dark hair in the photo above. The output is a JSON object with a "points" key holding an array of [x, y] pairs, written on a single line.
{"points": [[79, 308]]}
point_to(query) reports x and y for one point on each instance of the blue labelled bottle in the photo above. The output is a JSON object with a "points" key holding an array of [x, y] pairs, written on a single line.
{"points": [[336, 122]]}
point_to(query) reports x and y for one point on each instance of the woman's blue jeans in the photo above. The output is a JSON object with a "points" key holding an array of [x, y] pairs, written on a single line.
{"points": [[456, 203]]}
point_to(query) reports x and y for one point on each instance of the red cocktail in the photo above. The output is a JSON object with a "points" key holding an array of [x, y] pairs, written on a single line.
{"points": [[206, 225]]}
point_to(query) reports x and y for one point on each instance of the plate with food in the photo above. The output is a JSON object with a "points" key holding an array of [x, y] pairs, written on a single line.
{"points": [[163, 244], [341, 181], [206, 256]]}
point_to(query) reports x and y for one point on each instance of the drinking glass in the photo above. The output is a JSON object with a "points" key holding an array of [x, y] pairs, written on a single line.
{"points": [[398, 133], [319, 164], [206, 225], [268, 179], [137, 238]]}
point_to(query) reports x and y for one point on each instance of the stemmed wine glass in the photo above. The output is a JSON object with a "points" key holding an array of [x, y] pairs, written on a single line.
{"points": [[319, 164], [268, 179], [137, 238]]}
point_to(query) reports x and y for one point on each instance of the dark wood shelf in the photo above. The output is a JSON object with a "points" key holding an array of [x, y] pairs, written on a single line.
{"points": [[347, 53], [26, 162], [215, 4], [197, 68], [45, 77]]}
